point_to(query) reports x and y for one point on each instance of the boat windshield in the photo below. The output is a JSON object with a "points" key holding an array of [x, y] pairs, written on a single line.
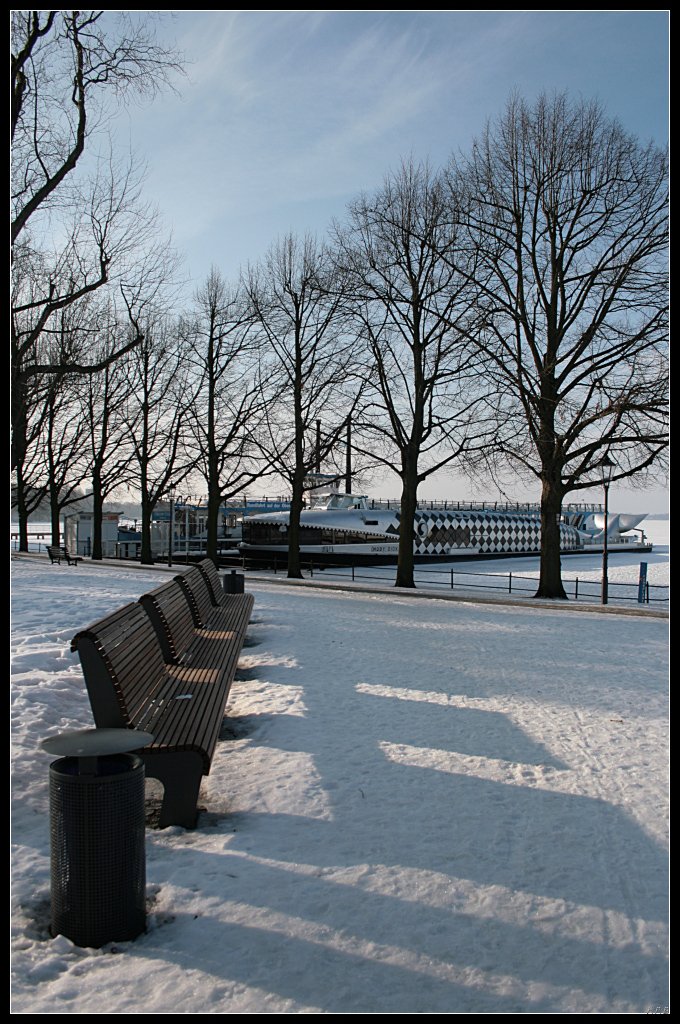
{"points": [[329, 501]]}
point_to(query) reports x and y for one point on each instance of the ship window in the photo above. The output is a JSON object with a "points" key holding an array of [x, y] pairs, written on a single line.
{"points": [[263, 533]]}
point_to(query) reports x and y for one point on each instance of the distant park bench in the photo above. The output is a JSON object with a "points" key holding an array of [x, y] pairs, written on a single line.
{"points": [[57, 554], [165, 665]]}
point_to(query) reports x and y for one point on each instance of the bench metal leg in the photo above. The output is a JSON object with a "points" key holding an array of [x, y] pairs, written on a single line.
{"points": [[181, 774]]}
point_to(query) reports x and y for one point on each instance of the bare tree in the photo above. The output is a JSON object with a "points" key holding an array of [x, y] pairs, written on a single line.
{"points": [[222, 353], [77, 225], [41, 453], [30, 482], [56, 466], [155, 413], [66, 458], [65, 66], [566, 215], [104, 398], [299, 307], [70, 231], [77, 445], [414, 310], [107, 244]]}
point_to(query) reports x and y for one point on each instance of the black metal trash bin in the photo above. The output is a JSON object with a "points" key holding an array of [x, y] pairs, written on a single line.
{"points": [[97, 839], [98, 867], [233, 582]]}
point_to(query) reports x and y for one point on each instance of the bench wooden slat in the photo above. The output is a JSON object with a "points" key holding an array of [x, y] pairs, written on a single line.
{"points": [[222, 617], [198, 595], [169, 610], [165, 665], [212, 577]]}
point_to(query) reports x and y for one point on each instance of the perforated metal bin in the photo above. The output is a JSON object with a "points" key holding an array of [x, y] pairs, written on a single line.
{"points": [[233, 582], [97, 832]]}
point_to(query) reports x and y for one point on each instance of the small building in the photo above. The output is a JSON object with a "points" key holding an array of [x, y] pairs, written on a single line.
{"points": [[79, 533]]}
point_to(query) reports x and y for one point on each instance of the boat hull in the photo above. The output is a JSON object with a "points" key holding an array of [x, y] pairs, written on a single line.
{"points": [[363, 536]]}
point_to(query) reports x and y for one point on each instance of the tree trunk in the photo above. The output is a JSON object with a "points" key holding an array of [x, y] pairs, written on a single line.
{"points": [[19, 406], [146, 556], [22, 513], [300, 471], [550, 582], [294, 570], [409, 501], [55, 524], [214, 497]]}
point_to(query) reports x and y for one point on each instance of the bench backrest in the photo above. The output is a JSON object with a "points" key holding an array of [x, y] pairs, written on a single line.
{"points": [[198, 595], [123, 665], [168, 608], [212, 577]]}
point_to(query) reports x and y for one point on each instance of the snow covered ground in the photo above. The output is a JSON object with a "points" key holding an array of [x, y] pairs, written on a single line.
{"points": [[421, 806]]}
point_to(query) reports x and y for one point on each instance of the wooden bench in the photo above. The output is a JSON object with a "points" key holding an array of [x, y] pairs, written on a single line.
{"points": [[57, 554], [149, 666], [211, 608], [212, 577], [194, 632]]}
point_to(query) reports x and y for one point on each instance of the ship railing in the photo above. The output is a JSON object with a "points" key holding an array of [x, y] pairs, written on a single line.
{"points": [[531, 508], [446, 504]]}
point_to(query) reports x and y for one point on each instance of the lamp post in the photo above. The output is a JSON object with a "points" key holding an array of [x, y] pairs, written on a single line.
{"points": [[348, 458], [186, 529], [172, 523], [606, 469]]}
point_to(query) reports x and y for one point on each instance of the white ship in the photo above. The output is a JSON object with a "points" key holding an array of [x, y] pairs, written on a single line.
{"points": [[350, 528]]}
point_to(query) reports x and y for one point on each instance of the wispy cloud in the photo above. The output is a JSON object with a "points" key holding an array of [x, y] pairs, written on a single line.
{"points": [[287, 113]]}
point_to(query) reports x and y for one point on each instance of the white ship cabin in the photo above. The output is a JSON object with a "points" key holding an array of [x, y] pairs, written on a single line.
{"points": [[334, 500]]}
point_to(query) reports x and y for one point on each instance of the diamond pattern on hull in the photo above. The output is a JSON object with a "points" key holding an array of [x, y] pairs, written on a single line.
{"points": [[440, 533]]}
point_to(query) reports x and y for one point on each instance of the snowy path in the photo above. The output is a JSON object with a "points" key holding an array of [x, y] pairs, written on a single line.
{"points": [[424, 807]]}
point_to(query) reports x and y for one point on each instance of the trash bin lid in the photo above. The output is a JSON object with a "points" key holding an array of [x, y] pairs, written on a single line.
{"points": [[96, 742]]}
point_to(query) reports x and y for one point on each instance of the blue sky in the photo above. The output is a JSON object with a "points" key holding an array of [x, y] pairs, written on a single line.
{"points": [[287, 115]]}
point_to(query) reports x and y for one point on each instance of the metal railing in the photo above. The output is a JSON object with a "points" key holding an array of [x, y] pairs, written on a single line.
{"points": [[507, 583], [36, 541]]}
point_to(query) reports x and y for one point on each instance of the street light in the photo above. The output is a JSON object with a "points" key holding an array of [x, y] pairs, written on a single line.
{"points": [[186, 528], [171, 489], [606, 470]]}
